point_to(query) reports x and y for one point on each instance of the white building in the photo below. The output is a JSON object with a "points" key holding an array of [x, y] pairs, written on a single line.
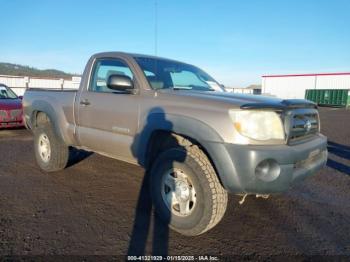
{"points": [[294, 86], [20, 83], [252, 89]]}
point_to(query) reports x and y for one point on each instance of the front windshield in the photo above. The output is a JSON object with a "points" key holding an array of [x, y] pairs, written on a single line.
{"points": [[162, 74], [7, 93]]}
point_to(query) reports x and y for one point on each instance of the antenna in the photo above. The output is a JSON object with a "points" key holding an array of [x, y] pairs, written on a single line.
{"points": [[155, 27]]}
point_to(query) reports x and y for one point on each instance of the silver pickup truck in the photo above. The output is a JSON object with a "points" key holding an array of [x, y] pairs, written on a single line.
{"points": [[196, 141]]}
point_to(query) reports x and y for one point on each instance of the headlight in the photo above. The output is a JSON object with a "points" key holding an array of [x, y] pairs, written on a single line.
{"points": [[258, 125]]}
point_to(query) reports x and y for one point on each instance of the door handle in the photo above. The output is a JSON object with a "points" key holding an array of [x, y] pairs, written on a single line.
{"points": [[85, 102]]}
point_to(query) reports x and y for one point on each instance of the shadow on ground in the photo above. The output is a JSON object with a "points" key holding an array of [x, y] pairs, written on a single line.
{"points": [[77, 155], [342, 151]]}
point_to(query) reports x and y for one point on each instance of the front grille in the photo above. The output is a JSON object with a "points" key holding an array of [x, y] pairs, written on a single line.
{"points": [[11, 115], [301, 124], [15, 113]]}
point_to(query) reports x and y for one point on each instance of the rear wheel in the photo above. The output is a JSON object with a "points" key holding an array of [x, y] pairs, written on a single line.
{"points": [[51, 152], [186, 191]]}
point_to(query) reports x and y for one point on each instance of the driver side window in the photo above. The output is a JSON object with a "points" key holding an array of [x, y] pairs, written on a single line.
{"points": [[105, 68]]}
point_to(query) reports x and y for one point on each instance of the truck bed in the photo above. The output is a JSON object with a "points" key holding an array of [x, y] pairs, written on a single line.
{"points": [[58, 104], [52, 89]]}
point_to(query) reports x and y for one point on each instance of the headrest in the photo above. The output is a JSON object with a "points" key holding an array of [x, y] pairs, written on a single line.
{"points": [[155, 83]]}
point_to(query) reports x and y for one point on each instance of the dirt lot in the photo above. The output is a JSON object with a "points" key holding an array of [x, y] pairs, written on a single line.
{"points": [[90, 208]]}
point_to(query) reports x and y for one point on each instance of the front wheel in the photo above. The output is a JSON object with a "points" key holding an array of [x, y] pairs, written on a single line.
{"points": [[186, 191], [50, 151]]}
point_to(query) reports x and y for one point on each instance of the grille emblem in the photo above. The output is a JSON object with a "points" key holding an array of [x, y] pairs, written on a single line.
{"points": [[307, 125]]}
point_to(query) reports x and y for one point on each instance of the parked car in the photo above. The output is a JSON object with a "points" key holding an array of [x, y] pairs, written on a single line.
{"points": [[196, 141], [11, 113]]}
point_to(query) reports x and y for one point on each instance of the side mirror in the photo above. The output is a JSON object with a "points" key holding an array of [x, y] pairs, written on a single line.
{"points": [[120, 83], [20, 97]]}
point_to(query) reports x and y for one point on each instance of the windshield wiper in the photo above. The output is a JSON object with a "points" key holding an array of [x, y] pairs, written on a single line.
{"points": [[193, 87], [181, 87], [202, 88]]}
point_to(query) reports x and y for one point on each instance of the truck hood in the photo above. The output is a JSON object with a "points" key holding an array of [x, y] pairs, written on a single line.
{"points": [[10, 104], [244, 101]]}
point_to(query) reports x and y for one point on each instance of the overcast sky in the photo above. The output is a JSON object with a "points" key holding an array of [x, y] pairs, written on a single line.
{"points": [[234, 41]]}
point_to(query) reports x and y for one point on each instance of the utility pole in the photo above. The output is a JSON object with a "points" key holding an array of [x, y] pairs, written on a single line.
{"points": [[156, 27]]}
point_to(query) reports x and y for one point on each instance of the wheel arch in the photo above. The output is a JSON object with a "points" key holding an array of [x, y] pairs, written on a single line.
{"points": [[186, 131], [44, 112]]}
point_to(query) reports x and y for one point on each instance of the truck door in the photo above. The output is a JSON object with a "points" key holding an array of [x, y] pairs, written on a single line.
{"points": [[107, 119]]}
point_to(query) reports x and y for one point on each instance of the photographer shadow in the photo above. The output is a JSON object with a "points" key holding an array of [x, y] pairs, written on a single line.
{"points": [[145, 209]]}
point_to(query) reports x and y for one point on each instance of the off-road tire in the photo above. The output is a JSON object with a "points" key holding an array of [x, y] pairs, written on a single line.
{"points": [[211, 196], [59, 150]]}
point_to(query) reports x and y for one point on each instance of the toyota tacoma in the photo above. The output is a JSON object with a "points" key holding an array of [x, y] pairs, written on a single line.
{"points": [[197, 142]]}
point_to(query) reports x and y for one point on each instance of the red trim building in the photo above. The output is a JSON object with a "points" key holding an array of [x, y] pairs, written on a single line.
{"points": [[317, 74]]}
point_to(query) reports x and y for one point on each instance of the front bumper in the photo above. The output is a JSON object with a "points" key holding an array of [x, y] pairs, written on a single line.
{"points": [[11, 118], [11, 124], [237, 165]]}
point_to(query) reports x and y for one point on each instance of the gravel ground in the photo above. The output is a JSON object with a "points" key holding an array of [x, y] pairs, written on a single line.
{"points": [[91, 209]]}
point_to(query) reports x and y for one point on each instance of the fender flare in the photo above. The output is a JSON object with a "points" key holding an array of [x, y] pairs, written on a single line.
{"points": [[46, 108], [195, 129]]}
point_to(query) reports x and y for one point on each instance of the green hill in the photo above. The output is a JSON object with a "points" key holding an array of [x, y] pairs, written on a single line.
{"points": [[20, 70]]}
